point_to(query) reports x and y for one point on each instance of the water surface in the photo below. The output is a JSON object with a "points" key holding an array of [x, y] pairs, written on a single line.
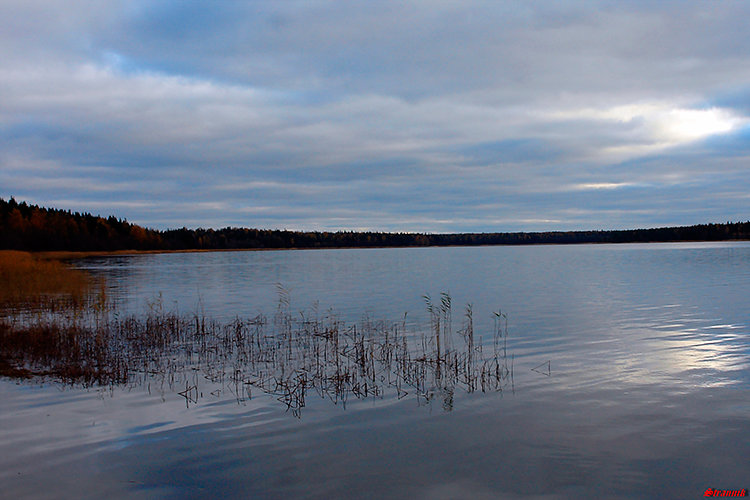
{"points": [[646, 392]]}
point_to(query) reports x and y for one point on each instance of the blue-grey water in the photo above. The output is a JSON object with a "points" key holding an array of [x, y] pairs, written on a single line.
{"points": [[643, 390]]}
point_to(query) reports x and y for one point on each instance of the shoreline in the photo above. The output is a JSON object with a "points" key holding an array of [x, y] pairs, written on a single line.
{"points": [[71, 254]]}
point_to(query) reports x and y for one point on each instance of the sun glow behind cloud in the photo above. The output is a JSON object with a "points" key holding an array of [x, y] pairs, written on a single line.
{"points": [[646, 128], [692, 124], [671, 125]]}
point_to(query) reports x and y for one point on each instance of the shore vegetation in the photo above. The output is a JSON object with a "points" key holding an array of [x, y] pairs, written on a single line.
{"points": [[57, 323]]}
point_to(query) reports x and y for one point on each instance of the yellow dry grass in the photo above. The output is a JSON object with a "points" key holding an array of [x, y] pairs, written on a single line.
{"points": [[26, 281]]}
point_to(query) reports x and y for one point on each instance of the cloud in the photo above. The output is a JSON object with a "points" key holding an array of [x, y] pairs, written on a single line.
{"points": [[452, 116], [601, 185]]}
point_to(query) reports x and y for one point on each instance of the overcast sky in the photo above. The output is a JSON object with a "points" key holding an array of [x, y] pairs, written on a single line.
{"points": [[437, 116]]}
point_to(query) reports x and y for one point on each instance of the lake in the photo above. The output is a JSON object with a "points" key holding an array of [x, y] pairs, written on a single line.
{"points": [[630, 369]]}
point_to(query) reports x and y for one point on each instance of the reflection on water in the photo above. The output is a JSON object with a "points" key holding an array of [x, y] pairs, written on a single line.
{"points": [[646, 395], [289, 357]]}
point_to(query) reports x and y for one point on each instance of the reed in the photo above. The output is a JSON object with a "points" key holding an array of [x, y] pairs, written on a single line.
{"points": [[290, 357], [27, 282]]}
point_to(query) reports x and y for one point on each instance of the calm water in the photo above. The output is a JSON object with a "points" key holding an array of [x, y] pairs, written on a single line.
{"points": [[647, 395]]}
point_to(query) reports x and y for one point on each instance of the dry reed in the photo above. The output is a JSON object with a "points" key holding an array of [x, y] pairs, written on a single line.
{"points": [[292, 356], [28, 282]]}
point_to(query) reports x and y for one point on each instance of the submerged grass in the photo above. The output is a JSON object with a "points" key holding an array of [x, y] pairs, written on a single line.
{"points": [[77, 337]]}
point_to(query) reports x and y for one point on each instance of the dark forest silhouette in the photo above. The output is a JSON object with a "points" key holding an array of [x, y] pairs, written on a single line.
{"points": [[30, 227]]}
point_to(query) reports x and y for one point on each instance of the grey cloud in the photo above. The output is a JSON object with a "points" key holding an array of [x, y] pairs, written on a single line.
{"points": [[447, 116]]}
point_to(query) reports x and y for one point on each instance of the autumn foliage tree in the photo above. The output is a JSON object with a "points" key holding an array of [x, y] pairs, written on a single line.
{"points": [[29, 227]]}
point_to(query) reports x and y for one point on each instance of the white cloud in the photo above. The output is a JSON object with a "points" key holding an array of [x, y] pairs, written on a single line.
{"points": [[682, 125], [650, 127], [587, 186]]}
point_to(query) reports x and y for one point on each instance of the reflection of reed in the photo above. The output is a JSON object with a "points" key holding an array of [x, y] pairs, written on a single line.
{"points": [[288, 357]]}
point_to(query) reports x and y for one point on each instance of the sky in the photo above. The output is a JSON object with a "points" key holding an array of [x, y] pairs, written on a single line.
{"points": [[418, 116]]}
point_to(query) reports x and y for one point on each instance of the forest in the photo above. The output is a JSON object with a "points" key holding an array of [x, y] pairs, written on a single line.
{"points": [[30, 227]]}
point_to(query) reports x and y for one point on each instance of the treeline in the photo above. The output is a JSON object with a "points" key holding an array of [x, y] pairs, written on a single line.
{"points": [[29, 227]]}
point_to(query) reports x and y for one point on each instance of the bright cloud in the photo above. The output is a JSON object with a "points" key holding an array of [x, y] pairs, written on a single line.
{"points": [[682, 125], [647, 128], [671, 125], [601, 185]]}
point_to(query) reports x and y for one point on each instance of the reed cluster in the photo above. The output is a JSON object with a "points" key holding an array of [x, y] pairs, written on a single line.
{"points": [[28, 283], [289, 356], [76, 336]]}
